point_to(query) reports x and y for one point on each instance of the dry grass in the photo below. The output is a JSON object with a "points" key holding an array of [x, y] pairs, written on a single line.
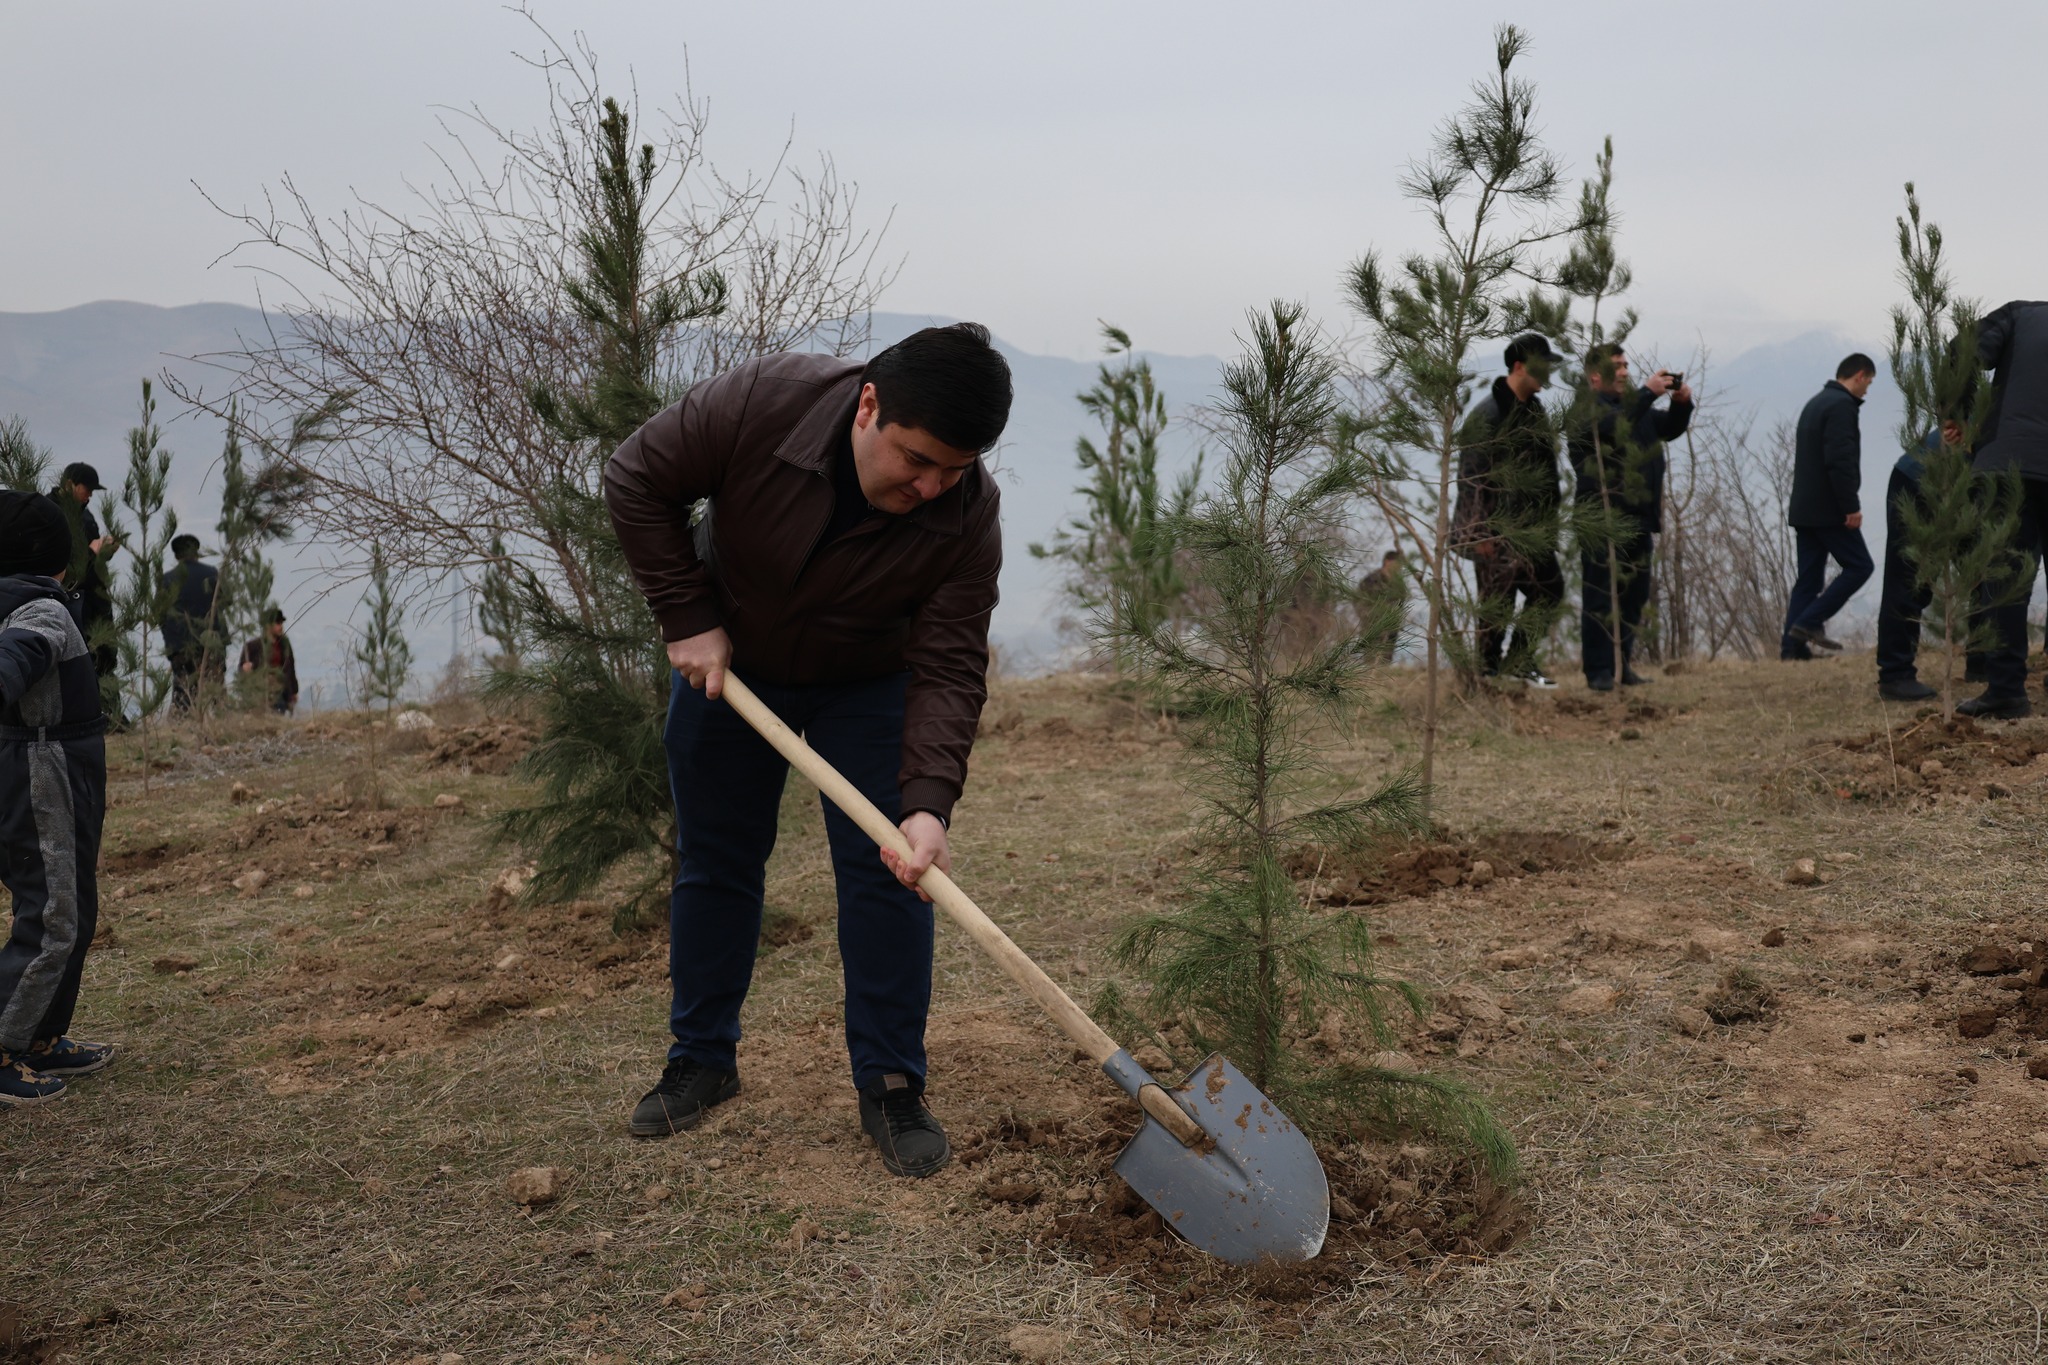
{"points": [[302, 1156]]}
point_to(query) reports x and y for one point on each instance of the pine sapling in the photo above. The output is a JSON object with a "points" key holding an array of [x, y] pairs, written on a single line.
{"points": [[24, 465], [1962, 528], [147, 592], [1246, 966], [382, 657], [1120, 554], [1490, 189]]}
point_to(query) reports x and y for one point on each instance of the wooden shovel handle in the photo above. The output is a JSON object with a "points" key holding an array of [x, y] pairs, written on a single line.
{"points": [[1072, 1019]]}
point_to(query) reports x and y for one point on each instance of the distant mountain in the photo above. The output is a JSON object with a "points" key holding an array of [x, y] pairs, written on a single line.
{"points": [[75, 375]]}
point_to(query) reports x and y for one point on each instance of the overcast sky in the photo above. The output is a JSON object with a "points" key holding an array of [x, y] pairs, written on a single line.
{"points": [[1159, 165]]}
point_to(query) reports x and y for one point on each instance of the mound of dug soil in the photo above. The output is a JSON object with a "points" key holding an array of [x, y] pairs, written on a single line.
{"points": [[1929, 756], [2017, 974], [482, 748], [1401, 1206], [1391, 872]]}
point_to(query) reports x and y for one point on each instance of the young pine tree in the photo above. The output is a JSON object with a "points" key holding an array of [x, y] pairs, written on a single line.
{"points": [[1962, 529], [1121, 555], [147, 592], [598, 674], [1491, 192], [382, 657], [1245, 965], [24, 465], [498, 611]]}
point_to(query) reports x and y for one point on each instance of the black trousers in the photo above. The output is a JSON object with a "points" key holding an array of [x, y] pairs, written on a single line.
{"points": [[53, 802], [1900, 603], [2005, 667], [1504, 632], [1596, 626]]}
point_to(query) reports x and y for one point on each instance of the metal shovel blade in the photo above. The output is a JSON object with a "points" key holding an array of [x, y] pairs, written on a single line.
{"points": [[1258, 1194]]}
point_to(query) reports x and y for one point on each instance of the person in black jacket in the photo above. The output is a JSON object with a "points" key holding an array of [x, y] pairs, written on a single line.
{"points": [[1505, 521], [1617, 449], [2012, 342], [191, 636], [1826, 513], [88, 574], [53, 802]]}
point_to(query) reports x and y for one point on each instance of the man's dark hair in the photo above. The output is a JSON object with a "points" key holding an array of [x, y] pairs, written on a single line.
{"points": [[1526, 348], [1391, 554], [1601, 356], [1856, 364], [948, 381], [184, 547], [273, 616], [84, 475]]}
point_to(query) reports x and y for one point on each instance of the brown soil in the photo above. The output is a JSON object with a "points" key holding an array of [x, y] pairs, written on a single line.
{"points": [[1927, 759], [2008, 987], [1407, 1207], [1400, 871], [492, 748]]}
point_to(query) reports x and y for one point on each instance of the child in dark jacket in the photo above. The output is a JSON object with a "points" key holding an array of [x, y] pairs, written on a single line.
{"points": [[53, 801]]}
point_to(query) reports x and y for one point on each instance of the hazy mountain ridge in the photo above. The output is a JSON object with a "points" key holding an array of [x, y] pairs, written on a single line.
{"points": [[74, 376]]}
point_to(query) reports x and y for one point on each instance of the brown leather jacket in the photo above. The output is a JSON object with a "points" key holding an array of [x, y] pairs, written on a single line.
{"points": [[911, 592]]}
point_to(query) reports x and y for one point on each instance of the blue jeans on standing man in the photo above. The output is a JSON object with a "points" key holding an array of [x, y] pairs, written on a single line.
{"points": [[727, 784], [1813, 605]]}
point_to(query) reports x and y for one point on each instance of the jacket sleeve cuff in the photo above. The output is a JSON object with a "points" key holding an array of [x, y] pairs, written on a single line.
{"points": [[690, 618], [931, 794]]}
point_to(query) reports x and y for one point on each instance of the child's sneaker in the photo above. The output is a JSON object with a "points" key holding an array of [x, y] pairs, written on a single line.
{"points": [[68, 1056], [20, 1087]]}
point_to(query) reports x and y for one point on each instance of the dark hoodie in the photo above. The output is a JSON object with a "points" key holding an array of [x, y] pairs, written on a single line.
{"points": [[53, 803]]}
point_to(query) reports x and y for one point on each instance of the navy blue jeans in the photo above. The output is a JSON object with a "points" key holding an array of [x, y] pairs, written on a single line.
{"points": [[2005, 667], [1902, 600], [1813, 605], [727, 784]]}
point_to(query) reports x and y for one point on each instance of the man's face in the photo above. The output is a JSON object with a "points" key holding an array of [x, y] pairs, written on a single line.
{"points": [[901, 468], [276, 630], [1610, 376], [80, 492], [1860, 384]]}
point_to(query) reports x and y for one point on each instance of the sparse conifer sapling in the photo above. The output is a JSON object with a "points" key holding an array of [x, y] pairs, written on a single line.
{"points": [[1962, 527], [146, 592], [1246, 965], [1120, 554]]}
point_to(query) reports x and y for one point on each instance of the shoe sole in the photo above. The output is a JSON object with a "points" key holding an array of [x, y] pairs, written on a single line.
{"points": [[671, 1127], [67, 1072], [31, 1101]]}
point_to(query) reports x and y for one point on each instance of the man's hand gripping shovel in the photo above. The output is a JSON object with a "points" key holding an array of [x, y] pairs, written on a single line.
{"points": [[1223, 1166]]}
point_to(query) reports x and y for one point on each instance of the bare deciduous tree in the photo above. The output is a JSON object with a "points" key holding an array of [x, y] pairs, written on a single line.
{"points": [[426, 325]]}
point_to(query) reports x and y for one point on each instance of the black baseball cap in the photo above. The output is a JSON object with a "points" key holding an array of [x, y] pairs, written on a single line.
{"points": [[1528, 347], [84, 475]]}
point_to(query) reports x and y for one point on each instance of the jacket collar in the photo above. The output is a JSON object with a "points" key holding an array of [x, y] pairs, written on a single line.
{"points": [[1838, 384], [816, 435]]}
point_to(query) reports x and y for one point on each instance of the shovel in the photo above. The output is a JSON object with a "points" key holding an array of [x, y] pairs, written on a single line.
{"points": [[1223, 1166]]}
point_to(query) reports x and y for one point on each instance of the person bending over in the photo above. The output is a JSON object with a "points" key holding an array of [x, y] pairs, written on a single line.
{"points": [[844, 563]]}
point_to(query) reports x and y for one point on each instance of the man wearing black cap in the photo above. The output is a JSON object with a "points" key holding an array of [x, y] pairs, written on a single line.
{"points": [[89, 575], [270, 658], [1506, 516], [53, 798]]}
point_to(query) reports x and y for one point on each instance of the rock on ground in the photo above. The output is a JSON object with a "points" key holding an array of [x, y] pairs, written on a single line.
{"points": [[1031, 1342], [534, 1186], [1588, 1000]]}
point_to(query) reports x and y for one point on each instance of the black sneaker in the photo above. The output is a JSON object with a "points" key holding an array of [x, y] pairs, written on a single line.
{"points": [[911, 1141], [1909, 689], [1807, 635], [22, 1085], [68, 1056], [1536, 678], [1988, 707], [1601, 682], [682, 1097], [1631, 678]]}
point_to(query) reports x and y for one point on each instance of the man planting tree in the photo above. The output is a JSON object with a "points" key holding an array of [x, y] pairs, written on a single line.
{"points": [[845, 564]]}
